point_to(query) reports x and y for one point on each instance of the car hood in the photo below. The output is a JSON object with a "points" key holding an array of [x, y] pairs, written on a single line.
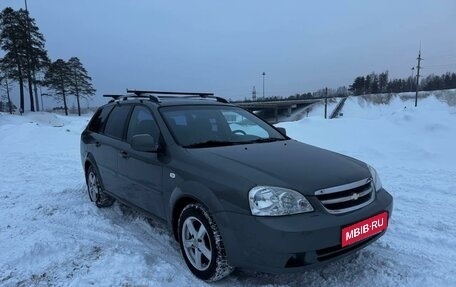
{"points": [[289, 164]]}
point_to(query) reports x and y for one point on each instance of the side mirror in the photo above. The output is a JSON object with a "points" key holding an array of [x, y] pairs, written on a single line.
{"points": [[283, 131], [144, 142]]}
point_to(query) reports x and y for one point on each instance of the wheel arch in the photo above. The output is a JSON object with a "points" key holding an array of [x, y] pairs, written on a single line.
{"points": [[187, 193], [179, 205], [89, 161]]}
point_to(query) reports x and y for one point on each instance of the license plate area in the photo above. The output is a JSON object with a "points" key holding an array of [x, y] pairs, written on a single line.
{"points": [[364, 229]]}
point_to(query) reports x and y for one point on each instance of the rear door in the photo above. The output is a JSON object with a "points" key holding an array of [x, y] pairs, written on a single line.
{"points": [[110, 145], [141, 172]]}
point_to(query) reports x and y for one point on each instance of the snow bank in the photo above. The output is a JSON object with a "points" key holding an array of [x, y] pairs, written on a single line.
{"points": [[414, 151], [50, 234]]}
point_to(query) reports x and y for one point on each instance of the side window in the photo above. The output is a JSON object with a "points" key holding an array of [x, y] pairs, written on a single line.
{"points": [[99, 119], [242, 125], [117, 120], [142, 122]]}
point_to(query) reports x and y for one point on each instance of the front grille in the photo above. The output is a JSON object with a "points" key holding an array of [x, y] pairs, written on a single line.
{"points": [[334, 251], [347, 197]]}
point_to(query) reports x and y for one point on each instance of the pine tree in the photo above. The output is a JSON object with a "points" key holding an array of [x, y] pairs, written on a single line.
{"points": [[383, 82], [23, 44], [81, 82], [6, 86], [11, 41], [374, 84], [453, 81], [359, 86], [58, 79], [36, 54]]}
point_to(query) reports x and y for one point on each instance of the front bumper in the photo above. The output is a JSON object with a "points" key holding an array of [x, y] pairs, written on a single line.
{"points": [[295, 242]]}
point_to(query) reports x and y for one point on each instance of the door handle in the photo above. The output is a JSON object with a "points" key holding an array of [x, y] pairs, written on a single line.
{"points": [[123, 154], [97, 144]]}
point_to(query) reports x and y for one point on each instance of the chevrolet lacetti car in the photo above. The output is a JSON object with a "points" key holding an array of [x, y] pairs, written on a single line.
{"points": [[234, 190]]}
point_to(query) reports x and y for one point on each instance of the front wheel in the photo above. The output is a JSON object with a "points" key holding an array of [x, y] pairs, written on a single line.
{"points": [[95, 189], [201, 244]]}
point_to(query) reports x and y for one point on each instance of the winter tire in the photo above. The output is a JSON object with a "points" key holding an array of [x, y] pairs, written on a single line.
{"points": [[95, 189], [201, 244]]}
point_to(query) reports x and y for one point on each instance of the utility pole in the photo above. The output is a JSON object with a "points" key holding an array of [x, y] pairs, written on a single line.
{"points": [[326, 102], [264, 74], [411, 82], [418, 76]]}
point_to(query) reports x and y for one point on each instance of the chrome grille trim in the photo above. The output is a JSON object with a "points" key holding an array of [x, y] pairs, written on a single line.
{"points": [[343, 187], [344, 198]]}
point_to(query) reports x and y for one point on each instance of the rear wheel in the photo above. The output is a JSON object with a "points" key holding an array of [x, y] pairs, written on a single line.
{"points": [[95, 189], [201, 244]]}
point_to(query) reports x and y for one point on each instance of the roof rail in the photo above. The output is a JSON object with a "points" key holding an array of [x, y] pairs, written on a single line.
{"points": [[125, 97], [138, 92], [113, 96], [187, 95]]}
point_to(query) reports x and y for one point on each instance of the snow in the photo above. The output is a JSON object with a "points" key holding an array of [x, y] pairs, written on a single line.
{"points": [[50, 234]]}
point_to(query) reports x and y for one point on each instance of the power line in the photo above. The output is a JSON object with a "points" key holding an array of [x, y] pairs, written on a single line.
{"points": [[440, 65], [447, 56]]}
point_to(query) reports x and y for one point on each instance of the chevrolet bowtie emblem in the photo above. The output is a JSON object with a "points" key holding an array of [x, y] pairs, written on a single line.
{"points": [[355, 196]]}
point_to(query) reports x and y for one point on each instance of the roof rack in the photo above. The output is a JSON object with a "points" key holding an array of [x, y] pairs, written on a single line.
{"points": [[138, 92], [152, 95], [174, 95]]}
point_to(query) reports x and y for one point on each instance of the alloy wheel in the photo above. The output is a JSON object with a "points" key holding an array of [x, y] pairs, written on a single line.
{"points": [[94, 186], [197, 244]]}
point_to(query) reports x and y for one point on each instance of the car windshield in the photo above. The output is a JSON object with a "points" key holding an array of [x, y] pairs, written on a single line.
{"points": [[216, 125]]}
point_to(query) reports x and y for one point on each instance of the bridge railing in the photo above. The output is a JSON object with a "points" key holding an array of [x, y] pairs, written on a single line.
{"points": [[338, 108]]}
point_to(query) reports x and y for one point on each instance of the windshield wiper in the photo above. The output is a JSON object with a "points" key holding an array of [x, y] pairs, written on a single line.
{"points": [[210, 143], [265, 140], [213, 143]]}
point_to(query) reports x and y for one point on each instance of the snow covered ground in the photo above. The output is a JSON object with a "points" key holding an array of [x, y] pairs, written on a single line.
{"points": [[50, 234]]}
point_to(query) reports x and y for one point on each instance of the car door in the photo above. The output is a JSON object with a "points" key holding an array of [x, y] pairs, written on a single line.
{"points": [[110, 144], [141, 172], [93, 138]]}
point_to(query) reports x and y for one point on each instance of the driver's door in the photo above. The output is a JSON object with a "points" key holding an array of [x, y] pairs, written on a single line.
{"points": [[142, 171]]}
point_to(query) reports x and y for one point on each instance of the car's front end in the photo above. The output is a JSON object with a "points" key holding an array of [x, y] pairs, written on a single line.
{"points": [[296, 214], [289, 243]]}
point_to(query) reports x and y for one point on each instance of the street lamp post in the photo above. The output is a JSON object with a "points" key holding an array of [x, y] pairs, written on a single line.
{"points": [[264, 74], [87, 102], [40, 79], [43, 94], [42, 105]]}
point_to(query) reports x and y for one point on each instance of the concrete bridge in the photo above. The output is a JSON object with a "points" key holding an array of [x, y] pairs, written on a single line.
{"points": [[271, 110]]}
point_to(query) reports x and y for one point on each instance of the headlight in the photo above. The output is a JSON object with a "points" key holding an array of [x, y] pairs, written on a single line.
{"points": [[276, 201], [375, 178]]}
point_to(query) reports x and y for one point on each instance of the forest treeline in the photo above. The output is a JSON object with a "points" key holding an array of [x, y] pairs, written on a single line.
{"points": [[374, 83], [380, 83]]}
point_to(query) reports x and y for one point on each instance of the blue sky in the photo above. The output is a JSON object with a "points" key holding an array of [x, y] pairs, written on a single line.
{"points": [[225, 46]]}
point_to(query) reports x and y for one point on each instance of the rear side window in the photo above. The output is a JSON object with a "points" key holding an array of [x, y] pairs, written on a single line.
{"points": [[99, 119], [115, 125]]}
